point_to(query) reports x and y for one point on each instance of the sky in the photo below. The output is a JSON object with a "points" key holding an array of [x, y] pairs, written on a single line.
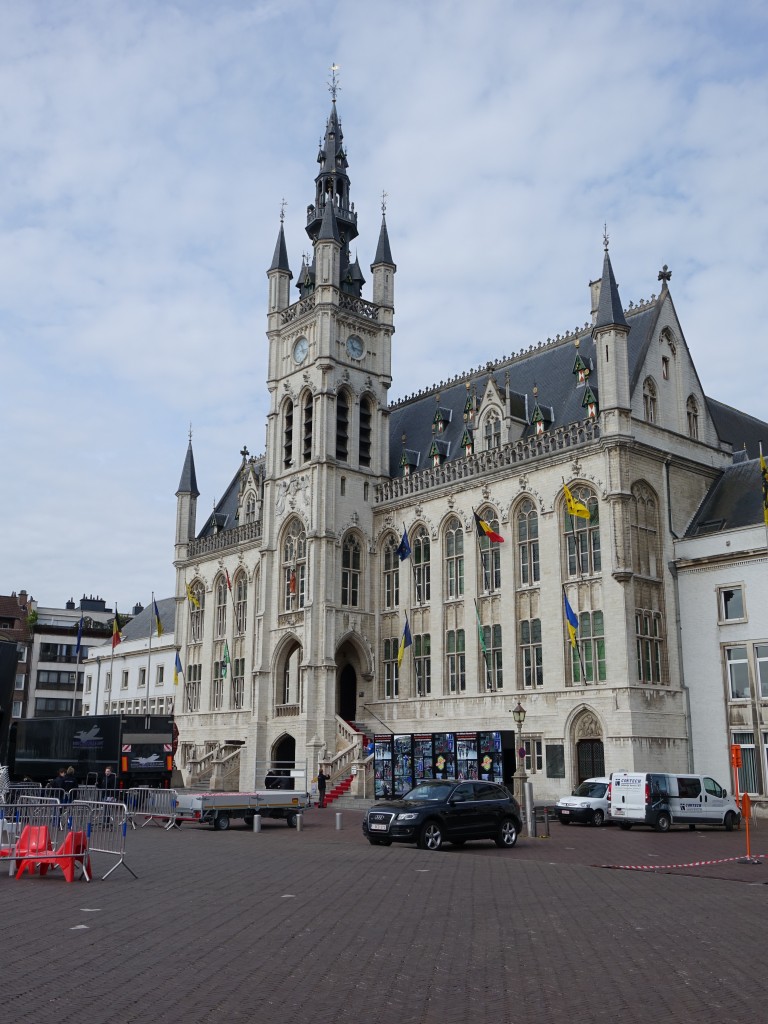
{"points": [[146, 147]]}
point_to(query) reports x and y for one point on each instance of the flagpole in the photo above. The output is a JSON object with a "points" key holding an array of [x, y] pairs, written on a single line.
{"points": [[116, 625], [77, 663], [486, 580], [488, 676]]}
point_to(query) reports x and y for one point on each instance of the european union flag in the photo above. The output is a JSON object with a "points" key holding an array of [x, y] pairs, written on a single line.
{"points": [[404, 547]]}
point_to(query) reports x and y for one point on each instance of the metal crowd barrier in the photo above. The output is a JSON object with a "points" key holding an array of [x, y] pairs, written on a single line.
{"points": [[159, 806], [17, 789], [31, 836]]}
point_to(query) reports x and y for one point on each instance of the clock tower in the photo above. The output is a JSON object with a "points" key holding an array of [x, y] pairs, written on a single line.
{"points": [[327, 447]]}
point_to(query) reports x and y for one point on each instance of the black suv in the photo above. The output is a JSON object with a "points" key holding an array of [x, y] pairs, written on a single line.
{"points": [[438, 810]]}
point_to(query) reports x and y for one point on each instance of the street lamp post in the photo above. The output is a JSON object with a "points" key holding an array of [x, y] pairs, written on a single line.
{"points": [[520, 777]]}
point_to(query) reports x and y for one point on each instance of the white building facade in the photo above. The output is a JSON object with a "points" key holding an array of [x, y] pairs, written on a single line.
{"points": [[292, 598]]}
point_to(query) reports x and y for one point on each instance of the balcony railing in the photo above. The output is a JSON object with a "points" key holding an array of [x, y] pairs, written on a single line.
{"points": [[225, 539]]}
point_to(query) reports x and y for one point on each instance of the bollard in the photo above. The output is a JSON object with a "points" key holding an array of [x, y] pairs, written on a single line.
{"points": [[299, 822], [257, 823], [338, 821]]}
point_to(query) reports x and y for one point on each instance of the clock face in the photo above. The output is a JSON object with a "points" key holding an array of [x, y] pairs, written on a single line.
{"points": [[355, 346], [300, 349]]}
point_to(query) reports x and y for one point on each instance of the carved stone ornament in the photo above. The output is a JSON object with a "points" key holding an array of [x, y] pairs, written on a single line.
{"points": [[289, 490], [587, 727], [523, 482]]}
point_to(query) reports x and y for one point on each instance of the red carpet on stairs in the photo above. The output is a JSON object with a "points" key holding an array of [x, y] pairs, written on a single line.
{"points": [[338, 790]]}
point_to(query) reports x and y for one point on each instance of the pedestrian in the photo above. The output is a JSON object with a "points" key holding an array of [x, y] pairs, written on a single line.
{"points": [[69, 785], [110, 783], [321, 781], [59, 781]]}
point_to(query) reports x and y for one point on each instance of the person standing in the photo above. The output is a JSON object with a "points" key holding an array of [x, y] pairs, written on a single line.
{"points": [[110, 783], [321, 781]]}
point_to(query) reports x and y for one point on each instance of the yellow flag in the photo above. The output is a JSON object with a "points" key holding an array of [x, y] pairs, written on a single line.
{"points": [[191, 597], [575, 508]]}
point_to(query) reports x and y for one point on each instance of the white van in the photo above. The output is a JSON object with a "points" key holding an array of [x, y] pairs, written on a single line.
{"points": [[662, 800]]}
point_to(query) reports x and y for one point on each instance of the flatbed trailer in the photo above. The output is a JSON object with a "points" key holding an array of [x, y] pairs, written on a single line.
{"points": [[218, 809]]}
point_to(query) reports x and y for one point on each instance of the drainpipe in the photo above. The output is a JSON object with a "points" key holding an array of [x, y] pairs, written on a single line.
{"points": [[678, 629]]}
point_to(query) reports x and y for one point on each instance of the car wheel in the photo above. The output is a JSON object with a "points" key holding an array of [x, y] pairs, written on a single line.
{"points": [[507, 835], [625, 826], [290, 820], [431, 836], [663, 822], [598, 818], [221, 822], [730, 821]]}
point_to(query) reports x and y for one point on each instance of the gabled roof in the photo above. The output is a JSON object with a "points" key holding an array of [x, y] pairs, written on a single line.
{"points": [[734, 500], [224, 515], [140, 625], [739, 429]]}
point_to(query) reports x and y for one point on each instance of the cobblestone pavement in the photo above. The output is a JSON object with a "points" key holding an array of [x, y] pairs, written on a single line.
{"points": [[318, 926]]}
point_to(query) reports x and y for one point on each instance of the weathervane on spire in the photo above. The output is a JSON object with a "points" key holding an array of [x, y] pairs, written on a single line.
{"points": [[333, 85], [384, 197], [605, 237], [283, 204]]}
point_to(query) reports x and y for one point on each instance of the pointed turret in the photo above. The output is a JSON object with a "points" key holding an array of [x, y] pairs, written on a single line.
{"points": [[610, 333], [383, 267], [186, 503], [279, 274], [609, 311]]}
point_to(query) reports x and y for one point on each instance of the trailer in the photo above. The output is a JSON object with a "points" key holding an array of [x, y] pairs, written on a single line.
{"points": [[138, 748], [218, 809]]}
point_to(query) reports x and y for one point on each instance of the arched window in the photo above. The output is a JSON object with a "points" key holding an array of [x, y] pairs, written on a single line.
{"points": [[692, 412], [650, 411], [490, 556], [294, 566], [454, 559], [221, 607], [391, 574], [644, 529], [366, 421], [308, 411], [582, 534], [196, 592], [351, 558], [531, 659], [342, 426], [250, 509], [289, 678], [241, 602], [528, 543], [420, 547], [288, 434], [492, 431]]}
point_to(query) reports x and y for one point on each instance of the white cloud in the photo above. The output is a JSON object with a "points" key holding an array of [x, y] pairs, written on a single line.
{"points": [[144, 152]]}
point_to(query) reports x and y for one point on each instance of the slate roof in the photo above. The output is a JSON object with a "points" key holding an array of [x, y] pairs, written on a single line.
{"points": [[735, 500], [739, 429], [139, 626], [225, 513], [549, 366]]}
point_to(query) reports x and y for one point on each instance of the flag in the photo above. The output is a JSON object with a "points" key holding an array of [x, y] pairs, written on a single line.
{"points": [[177, 670], [575, 508], [229, 581], [405, 641], [79, 635], [404, 547], [191, 597], [481, 632], [484, 530], [225, 661], [116, 637], [158, 623], [572, 620], [764, 475]]}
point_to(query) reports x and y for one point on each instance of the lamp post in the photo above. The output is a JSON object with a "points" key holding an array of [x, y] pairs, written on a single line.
{"points": [[520, 777]]}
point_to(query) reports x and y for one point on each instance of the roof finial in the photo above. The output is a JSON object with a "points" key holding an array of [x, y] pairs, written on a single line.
{"points": [[333, 85], [283, 204], [605, 237], [190, 431], [384, 197], [665, 274]]}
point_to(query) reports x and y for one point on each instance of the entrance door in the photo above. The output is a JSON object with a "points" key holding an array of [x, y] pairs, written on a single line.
{"points": [[348, 693], [591, 759]]}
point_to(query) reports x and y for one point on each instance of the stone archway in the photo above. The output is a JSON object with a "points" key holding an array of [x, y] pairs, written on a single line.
{"points": [[588, 746]]}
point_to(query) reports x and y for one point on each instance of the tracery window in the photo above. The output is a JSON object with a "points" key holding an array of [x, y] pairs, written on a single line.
{"points": [[582, 535], [351, 563], [649, 400], [454, 559], [294, 566], [528, 543]]}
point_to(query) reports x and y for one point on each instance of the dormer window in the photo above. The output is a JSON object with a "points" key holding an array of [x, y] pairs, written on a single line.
{"points": [[493, 431]]}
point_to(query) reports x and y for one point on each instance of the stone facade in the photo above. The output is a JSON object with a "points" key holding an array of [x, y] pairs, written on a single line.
{"points": [[294, 585]]}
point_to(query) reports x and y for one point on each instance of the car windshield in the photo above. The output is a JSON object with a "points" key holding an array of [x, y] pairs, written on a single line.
{"points": [[431, 791], [596, 789]]}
